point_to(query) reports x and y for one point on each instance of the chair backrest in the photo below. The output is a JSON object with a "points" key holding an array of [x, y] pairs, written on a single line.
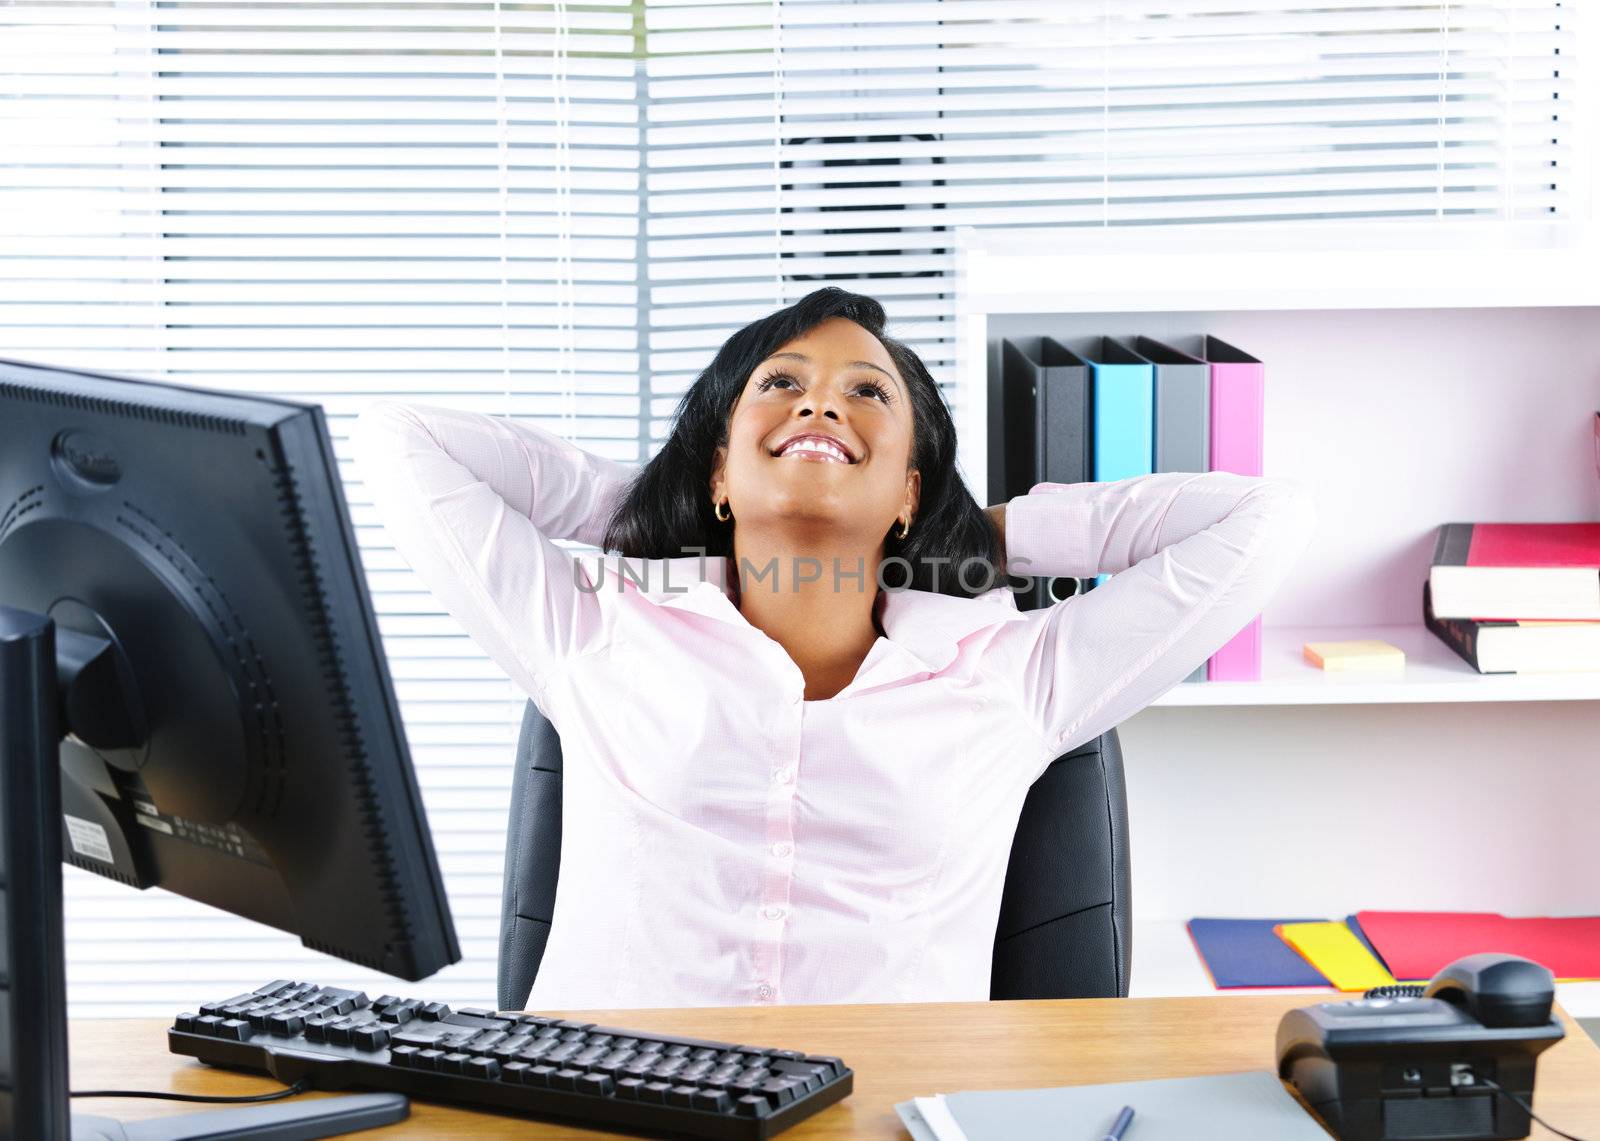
{"points": [[1064, 929]]}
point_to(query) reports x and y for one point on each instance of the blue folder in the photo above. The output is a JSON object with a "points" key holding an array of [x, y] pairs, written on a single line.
{"points": [[1245, 952], [1124, 410]]}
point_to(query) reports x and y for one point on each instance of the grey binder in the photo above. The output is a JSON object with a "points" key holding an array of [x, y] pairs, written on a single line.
{"points": [[1183, 416]]}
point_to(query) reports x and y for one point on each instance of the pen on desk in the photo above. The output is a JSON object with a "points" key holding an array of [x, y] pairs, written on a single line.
{"points": [[1121, 1125]]}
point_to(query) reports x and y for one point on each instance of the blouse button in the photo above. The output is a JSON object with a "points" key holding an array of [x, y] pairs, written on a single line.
{"points": [[765, 991], [781, 850], [783, 776], [772, 913]]}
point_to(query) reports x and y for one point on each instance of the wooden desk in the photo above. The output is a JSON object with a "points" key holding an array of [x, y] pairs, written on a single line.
{"points": [[897, 1051]]}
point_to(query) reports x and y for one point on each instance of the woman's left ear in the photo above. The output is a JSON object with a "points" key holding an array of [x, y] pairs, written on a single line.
{"points": [[718, 458], [913, 493]]}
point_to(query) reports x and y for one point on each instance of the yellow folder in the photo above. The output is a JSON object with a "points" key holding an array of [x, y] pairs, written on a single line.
{"points": [[1335, 951]]}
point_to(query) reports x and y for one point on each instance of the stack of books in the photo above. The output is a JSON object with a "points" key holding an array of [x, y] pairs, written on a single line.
{"points": [[1517, 597], [1097, 409]]}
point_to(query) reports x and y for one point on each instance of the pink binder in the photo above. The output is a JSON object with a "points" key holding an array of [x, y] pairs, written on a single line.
{"points": [[1237, 391]]}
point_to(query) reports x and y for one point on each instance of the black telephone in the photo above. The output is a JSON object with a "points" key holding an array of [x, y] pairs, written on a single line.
{"points": [[1408, 1063]]}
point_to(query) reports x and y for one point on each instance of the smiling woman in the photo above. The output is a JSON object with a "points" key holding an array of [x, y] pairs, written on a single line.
{"points": [[827, 449], [796, 785], [823, 367]]}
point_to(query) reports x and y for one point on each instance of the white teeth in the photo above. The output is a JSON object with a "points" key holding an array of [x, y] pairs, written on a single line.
{"points": [[817, 446]]}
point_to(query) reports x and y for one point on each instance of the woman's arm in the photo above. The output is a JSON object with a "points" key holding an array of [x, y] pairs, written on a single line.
{"points": [[1193, 557], [473, 503]]}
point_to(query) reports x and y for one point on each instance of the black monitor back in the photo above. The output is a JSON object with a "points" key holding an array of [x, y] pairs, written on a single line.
{"points": [[253, 758]]}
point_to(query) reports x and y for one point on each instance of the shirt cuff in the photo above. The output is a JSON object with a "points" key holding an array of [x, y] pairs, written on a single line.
{"points": [[611, 484], [1049, 531]]}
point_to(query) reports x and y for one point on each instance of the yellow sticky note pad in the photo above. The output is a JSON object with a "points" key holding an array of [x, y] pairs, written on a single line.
{"points": [[1335, 951], [1362, 655]]}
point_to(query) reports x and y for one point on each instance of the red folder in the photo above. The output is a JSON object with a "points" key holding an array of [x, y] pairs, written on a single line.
{"points": [[1416, 944]]}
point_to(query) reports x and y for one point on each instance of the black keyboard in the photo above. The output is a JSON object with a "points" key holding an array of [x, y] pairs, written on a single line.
{"points": [[598, 1076]]}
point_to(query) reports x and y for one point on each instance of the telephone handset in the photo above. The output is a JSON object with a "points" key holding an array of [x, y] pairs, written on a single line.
{"points": [[1449, 1059]]}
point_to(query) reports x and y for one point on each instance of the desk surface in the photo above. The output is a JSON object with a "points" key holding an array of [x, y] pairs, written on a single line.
{"points": [[897, 1051]]}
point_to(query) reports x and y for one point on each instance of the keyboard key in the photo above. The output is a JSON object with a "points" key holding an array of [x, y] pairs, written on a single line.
{"points": [[780, 1092], [835, 1066], [486, 1041], [233, 1029], [597, 1084], [342, 1001], [403, 1056], [485, 1068], [274, 987], [400, 1012], [453, 1063], [565, 1079], [539, 1075], [752, 1106], [809, 1074], [576, 1025], [370, 1038], [654, 1092], [715, 1100], [509, 1049], [514, 1072], [433, 1011], [682, 1095], [286, 1025], [628, 1088]]}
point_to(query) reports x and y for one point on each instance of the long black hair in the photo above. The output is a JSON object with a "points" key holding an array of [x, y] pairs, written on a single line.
{"points": [[667, 510]]}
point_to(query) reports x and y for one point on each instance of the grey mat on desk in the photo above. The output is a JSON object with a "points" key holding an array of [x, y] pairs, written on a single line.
{"points": [[1224, 1107]]}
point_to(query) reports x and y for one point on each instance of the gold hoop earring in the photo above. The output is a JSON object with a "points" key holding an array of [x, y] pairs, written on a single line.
{"points": [[905, 529], [717, 510]]}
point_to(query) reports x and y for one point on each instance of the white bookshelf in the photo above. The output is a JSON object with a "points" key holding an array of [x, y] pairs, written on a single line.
{"points": [[1432, 673], [1351, 298], [1415, 375]]}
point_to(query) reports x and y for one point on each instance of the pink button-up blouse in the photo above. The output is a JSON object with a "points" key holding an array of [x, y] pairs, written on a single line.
{"points": [[726, 842]]}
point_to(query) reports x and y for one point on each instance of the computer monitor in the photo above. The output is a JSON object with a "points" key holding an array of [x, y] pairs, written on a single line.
{"points": [[218, 706]]}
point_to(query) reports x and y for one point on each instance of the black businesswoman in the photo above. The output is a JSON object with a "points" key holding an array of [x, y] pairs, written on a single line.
{"points": [[799, 711]]}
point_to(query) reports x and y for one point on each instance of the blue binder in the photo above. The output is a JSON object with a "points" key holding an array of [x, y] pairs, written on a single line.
{"points": [[1124, 410]]}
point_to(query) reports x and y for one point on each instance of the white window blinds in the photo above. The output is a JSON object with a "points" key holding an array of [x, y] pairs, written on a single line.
{"points": [[331, 202], [559, 211]]}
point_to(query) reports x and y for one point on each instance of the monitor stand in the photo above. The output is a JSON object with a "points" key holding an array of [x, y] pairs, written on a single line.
{"points": [[36, 675]]}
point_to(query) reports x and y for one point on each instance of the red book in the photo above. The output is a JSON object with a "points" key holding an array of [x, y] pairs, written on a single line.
{"points": [[1416, 944], [1509, 571]]}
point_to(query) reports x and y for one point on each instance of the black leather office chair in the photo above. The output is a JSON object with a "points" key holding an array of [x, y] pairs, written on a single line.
{"points": [[1064, 929]]}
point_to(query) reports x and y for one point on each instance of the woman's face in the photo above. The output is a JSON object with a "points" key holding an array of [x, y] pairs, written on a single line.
{"points": [[836, 381]]}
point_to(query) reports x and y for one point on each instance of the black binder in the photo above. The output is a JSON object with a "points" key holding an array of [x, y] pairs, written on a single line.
{"points": [[1047, 399]]}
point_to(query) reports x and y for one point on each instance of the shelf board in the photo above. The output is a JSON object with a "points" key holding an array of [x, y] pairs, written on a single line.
{"points": [[1433, 673], [1328, 265], [1166, 965]]}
